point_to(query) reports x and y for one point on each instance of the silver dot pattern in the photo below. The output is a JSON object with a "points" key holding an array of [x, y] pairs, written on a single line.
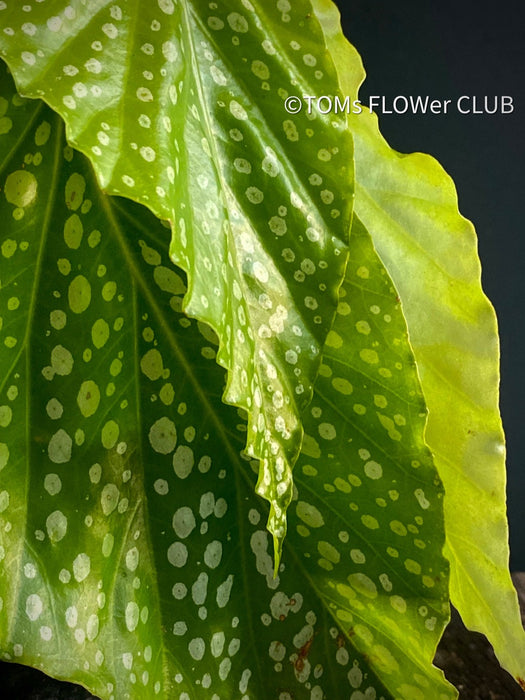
{"points": [[132, 544], [191, 123]]}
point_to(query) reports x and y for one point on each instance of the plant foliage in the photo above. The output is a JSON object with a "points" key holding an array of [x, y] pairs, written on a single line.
{"points": [[134, 554], [182, 111]]}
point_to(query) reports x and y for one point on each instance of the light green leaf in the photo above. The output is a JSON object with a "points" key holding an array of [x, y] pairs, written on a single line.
{"points": [[409, 205], [365, 440], [134, 555], [180, 107]]}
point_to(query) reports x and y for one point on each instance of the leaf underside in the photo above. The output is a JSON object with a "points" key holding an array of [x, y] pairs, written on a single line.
{"points": [[134, 555], [182, 111]]}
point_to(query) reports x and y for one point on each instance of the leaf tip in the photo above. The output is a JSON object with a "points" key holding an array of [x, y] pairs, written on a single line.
{"points": [[277, 553]]}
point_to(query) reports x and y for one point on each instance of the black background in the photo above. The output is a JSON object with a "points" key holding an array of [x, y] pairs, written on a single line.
{"points": [[447, 49]]}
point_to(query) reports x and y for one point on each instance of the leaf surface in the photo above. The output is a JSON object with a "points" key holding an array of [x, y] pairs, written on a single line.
{"points": [[134, 555], [180, 107], [409, 205]]}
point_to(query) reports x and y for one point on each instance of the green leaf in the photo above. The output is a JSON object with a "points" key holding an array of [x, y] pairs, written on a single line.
{"points": [[134, 559], [368, 425], [409, 205], [180, 107]]}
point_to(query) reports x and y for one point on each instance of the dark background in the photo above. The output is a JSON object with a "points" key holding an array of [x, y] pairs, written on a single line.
{"points": [[447, 49]]}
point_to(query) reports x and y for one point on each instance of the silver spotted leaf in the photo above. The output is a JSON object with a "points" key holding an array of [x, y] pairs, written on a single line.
{"points": [[410, 206], [134, 557], [179, 105]]}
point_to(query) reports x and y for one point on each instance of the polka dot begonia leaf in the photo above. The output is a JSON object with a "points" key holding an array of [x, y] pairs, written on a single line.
{"points": [[134, 557], [179, 104]]}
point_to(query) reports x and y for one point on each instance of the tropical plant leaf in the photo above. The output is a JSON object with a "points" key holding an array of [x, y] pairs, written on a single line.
{"points": [[369, 388], [409, 204], [133, 557], [182, 110]]}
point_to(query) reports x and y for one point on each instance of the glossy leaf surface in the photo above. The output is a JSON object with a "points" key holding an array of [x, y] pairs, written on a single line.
{"points": [[182, 110], [134, 554], [410, 206]]}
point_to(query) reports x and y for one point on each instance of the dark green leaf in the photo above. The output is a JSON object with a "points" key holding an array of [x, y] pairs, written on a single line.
{"points": [[134, 554], [180, 107]]}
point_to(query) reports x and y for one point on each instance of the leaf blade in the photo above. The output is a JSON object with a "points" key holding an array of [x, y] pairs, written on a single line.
{"points": [[180, 576], [224, 163], [409, 205]]}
